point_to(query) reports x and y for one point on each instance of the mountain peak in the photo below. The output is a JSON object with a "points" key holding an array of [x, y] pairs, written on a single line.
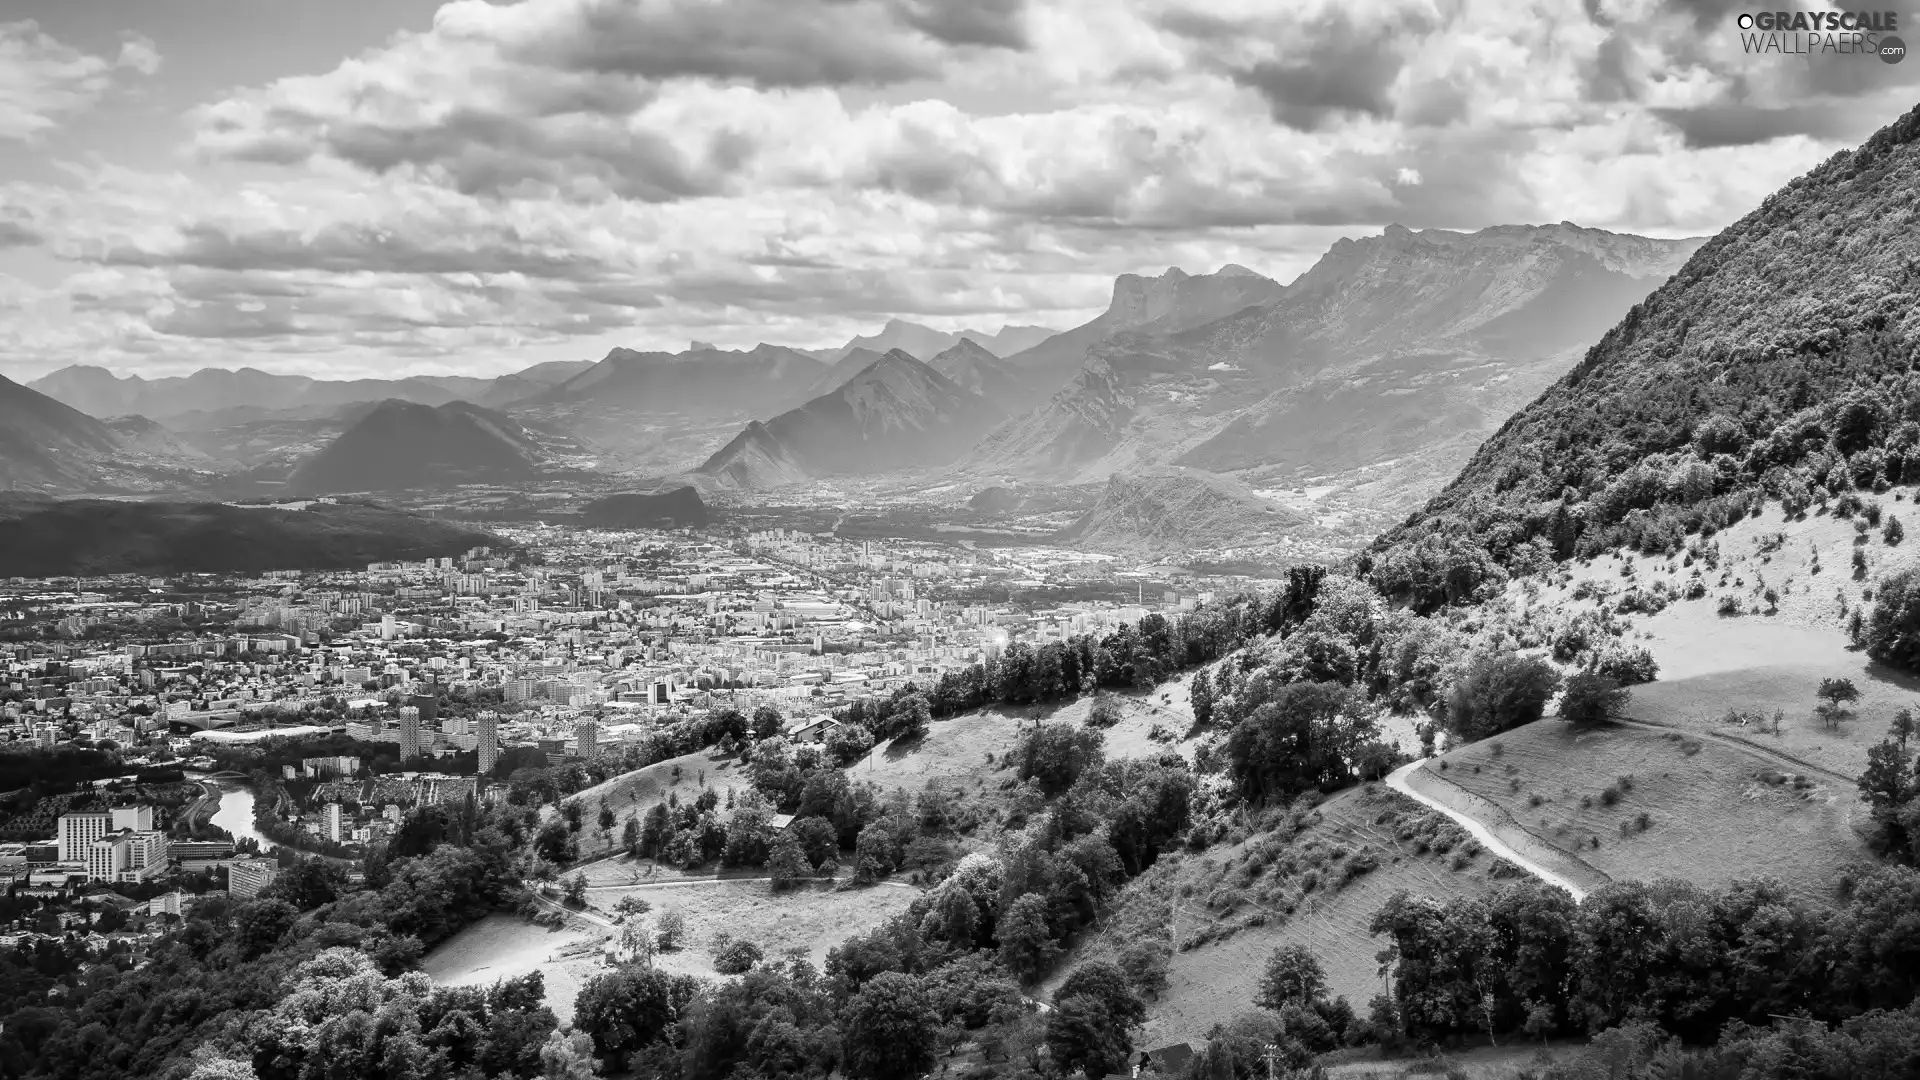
{"points": [[1236, 270], [702, 346]]}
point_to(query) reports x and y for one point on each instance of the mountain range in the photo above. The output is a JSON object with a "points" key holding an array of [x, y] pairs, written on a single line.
{"points": [[212, 397], [1389, 346], [923, 342]]}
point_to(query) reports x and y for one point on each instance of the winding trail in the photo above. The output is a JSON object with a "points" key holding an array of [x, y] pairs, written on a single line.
{"points": [[1397, 780]]}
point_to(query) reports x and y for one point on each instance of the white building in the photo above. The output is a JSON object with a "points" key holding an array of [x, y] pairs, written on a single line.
{"points": [[246, 877], [78, 831]]}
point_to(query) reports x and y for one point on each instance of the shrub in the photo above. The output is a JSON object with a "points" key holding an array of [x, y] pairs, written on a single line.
{"points": [[735, 957]]}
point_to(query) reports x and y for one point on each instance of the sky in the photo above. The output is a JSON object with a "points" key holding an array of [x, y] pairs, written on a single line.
{"points": [[384, 187]]}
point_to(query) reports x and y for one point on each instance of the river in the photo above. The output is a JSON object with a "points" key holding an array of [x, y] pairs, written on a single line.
{"points": [[235, 813]]}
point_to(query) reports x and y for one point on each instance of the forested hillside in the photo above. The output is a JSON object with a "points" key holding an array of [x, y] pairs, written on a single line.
{"points": [[1777, 362]]}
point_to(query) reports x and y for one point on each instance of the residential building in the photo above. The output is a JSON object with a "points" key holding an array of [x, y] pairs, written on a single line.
{"points": [[410, 745], [489, 746], [78, 831], [246, 877]]}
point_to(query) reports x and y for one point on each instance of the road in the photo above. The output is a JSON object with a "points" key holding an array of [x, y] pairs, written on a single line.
{"points": [[1397, 780]]}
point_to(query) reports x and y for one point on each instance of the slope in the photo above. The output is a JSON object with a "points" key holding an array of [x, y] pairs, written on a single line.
{"points": [[898, 413], [46, 445], [1389, 346], [1176, 511], [400, 444], [1776, 360]]}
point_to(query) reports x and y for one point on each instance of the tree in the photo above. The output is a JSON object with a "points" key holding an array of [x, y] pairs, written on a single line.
{"points": [[260, 924], [1499, 693], [1893, 630], [787, 865], [568, 1057], [627, 1009], [1106, 983], [1083, 1034], [911, 717], [672, 930], [767, 722], [576, 890], [1293, 976], [607, 818], [1027, 947], [1592, 698], [1835, 695], [1105, 712], [556, 844], [889, 1029]]}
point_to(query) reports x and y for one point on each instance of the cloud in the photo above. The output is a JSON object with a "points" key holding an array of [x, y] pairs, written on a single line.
{"points": [[549, 178], [42, 79], [573, 96]]}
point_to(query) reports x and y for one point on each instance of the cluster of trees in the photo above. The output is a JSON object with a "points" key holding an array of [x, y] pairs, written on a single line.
{"points": [[1135, 656], [953, 963], [1529, 959], [216, 990], [1891, 786]]}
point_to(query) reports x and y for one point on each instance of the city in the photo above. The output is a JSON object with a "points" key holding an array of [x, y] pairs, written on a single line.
{"points": [[420, 678]]}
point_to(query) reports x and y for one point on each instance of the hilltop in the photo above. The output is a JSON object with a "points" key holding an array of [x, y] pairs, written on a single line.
{"points": [[400, 444]]}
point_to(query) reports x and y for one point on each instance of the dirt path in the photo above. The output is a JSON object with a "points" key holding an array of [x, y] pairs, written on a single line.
{"points": [[1398, 781], [584, 913]]}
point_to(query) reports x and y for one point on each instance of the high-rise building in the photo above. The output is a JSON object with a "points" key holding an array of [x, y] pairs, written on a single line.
{"points": [[333, 822], [489, 745], [586, 737], [78, 831], [246, 877], [137, 818], [107, 856], [409, 733]]}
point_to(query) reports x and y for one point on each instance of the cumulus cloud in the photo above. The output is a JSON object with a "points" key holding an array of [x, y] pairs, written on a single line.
{"points": [[42, 79], [566, 175]]}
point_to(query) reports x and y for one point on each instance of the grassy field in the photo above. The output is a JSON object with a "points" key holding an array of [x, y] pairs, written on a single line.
{"points": [[1731, 673], [1224, 911], [1506, 1062], [814, 919], [1691, 808], [502, 946]]}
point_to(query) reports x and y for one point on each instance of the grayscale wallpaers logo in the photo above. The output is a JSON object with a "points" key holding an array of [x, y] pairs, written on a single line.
{"points": [[1812, 33]]}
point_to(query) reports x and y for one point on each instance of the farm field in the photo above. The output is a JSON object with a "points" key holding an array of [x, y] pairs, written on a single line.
{"points": [[1227, 906], [1711, 813]]}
